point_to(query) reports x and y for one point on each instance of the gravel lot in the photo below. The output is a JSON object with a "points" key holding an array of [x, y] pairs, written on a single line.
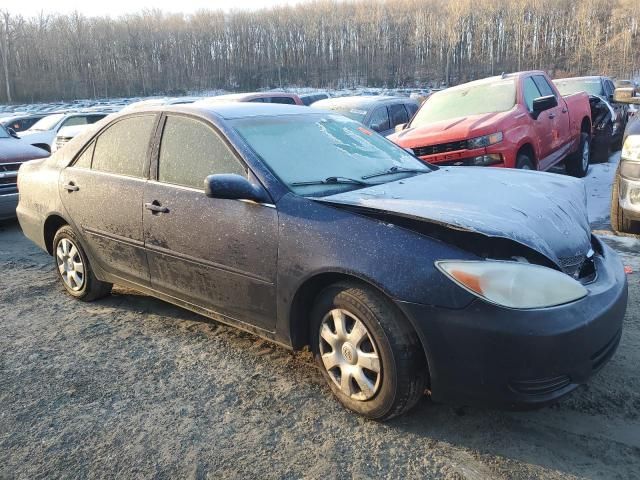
{"points": [[131, 387]]}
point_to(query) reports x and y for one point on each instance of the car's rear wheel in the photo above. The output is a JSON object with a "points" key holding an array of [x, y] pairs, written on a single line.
{"points": [[523, 162], [577, 164], [74, 269], [619, 221], [367, 351]]}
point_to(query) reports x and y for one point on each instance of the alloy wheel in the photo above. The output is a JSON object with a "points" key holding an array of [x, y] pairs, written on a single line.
{"points": [[586, 153], [349, 355], [70, 264]]}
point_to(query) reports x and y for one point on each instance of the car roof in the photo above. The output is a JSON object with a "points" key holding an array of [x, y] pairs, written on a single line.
{"points": [[239, 97], [233, 110], [587, 77], [363, 101]]}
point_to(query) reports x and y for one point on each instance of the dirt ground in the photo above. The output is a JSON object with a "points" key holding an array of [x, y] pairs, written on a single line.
{"points": [[131, 387]]}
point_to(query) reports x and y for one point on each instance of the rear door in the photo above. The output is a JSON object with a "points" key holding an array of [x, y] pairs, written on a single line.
{"points": [[102, 192], [217, 254]]}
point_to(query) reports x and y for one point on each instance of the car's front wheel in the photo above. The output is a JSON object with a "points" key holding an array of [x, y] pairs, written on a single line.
{"points": [[367, 351], [74, 269]]}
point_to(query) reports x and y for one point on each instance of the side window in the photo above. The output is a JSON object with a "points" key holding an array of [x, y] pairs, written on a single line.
{"points": [[84, 160], [379, 120], [257, 100], [190, 151], [412, 108], [71, 121], [608, 88], [94, 118], [123, 147], [530, 92], [285, 100], [543, 86], [398, 114]]}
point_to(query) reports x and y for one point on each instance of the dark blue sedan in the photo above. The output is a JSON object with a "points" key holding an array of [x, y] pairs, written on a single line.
{"points": [[307, 228]]}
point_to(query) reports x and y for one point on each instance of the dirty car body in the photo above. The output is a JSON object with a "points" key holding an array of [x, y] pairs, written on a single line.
{"points": [[259, 264]]}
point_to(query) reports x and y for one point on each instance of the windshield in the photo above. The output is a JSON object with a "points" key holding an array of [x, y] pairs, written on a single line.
{"points": [[47, 123], [593, 86], [468, 99], [311, 148]]}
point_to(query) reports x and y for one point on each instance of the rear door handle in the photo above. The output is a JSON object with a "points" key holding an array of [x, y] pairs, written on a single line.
{"points": [[71, 187], [564, 110], [155, 207], [552, 116]]}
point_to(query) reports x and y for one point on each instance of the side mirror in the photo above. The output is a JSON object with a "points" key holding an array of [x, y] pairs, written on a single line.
{"points": [[233, 187], [541, 104], [625, 95], [12, 132], [400, 127]]}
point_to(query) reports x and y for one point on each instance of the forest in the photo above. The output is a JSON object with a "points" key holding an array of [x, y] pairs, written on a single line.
{"points": [[320, 43]]}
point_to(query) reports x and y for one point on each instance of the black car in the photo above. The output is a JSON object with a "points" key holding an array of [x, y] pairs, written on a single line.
{"points": [[306, 228], [309, 98], [379, 113], [608, 117], [21, 122]]}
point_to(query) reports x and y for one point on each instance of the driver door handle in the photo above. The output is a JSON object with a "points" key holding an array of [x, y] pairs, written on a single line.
{"points": [[155, 207], [71, 187], [552, 116]]}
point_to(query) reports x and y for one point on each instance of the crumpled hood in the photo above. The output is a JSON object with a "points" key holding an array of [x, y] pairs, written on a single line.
{"points": [[450, 130], [545, 212], [14, 150]]}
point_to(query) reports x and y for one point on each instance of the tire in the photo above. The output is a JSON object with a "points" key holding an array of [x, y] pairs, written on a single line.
{"points": [[523, 162], [74, 269], [373, 328], [619, 222], [577, 164]]}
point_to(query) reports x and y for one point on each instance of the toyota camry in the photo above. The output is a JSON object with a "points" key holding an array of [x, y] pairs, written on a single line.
{"points": [[308, 229]]}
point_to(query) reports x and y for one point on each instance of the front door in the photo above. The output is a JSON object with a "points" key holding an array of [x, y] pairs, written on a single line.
{"points": [[213, 253], [102, 192], [543, 125]]}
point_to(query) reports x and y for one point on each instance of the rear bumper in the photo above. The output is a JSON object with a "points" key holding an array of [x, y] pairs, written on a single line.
{"points": [[629, 189], [8, 204], [489, 355]]}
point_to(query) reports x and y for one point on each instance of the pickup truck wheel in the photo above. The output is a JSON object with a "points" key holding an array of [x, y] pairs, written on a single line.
{"points": [[523, 162], [367, 351], [619, 222], [74, 269], [577, 163]]}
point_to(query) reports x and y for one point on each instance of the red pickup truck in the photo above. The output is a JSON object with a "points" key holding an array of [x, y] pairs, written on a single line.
{"points": [[518, 120]]}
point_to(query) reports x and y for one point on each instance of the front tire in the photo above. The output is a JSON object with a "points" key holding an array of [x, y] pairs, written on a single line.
{"points": [[577, 164], [74, 269], [523, 162], [367, 351]]}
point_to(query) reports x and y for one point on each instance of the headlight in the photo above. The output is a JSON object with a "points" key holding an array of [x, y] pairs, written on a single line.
{"points": [[485, 140], [630, 157], [513, 284]]}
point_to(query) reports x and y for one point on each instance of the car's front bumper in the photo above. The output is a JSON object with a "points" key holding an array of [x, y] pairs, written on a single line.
{"points": [[8, 204], [485, 354], [628, 192]]}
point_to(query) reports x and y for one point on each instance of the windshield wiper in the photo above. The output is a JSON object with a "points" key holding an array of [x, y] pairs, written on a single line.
{"points": [[393, 170], [332, 181]]}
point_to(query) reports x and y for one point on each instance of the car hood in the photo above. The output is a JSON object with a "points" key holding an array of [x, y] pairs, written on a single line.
{"points": [[14, 150], [450, 130], [545, 212]]}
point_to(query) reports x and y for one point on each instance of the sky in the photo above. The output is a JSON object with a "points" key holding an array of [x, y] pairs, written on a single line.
{"points": [[119, 7]]}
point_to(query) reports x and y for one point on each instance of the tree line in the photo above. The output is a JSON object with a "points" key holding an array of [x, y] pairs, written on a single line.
{"points": [[321, 43]]}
